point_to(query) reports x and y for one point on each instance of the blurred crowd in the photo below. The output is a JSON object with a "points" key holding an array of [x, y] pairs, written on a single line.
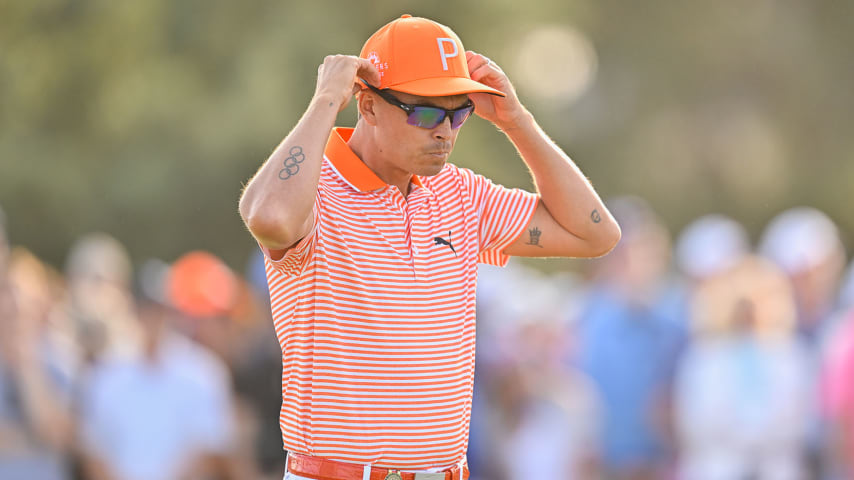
{"points": [[697, 356], [702, 355], [162, 371]]}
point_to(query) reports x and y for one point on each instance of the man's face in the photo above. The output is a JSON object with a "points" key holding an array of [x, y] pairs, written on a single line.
{"points": [[417, 150]]}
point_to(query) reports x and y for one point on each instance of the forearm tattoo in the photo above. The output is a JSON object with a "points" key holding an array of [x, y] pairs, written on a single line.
{"points": [[534, 237], [594, 215], [295, 157]]}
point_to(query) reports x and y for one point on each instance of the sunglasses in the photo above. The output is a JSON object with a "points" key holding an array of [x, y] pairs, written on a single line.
{"points": [[426, 116]]}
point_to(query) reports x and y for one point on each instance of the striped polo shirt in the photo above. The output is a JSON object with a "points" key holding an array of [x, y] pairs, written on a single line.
{"points": [[375, 312]]}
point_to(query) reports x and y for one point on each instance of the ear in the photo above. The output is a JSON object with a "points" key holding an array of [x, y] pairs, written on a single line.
{"points": [[366, 103]]}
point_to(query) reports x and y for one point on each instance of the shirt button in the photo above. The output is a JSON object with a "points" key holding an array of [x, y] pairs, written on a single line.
{"points": [[415, 249]]}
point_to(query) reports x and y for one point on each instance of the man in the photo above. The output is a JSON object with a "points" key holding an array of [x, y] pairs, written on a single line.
{"points": [[178, 389], [36, 379], [628, 337], [372, 244]]}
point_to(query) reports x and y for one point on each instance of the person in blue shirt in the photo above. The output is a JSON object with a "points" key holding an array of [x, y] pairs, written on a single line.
{"points": [[630, 332]]}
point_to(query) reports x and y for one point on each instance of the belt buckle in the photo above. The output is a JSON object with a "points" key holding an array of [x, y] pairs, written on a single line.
{"points": [[393, 475]]}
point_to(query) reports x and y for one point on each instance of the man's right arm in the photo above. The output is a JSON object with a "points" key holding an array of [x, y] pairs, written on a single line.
{"points": [[277, 203]]}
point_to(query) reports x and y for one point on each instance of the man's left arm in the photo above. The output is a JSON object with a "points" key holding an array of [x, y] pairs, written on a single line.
{"points": [[570, 219]]}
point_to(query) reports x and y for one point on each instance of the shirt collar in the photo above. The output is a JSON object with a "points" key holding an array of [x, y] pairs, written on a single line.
{"points": [[350, 166]]}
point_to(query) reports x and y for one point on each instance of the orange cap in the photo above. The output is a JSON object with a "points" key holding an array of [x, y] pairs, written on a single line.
{"points": [[201, 285], [421, 57]]}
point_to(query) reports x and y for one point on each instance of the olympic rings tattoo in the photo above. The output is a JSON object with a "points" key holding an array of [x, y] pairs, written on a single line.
{"points": [[295, 157]]}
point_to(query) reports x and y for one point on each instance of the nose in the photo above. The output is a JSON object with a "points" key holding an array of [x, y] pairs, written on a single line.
{"points": [[443, 131]]}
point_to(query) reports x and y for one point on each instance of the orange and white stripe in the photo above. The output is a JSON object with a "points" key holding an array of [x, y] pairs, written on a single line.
{"points": [[376, 317]]}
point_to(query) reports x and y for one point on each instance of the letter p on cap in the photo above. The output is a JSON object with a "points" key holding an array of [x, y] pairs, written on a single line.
{"points": [[444, 54]]}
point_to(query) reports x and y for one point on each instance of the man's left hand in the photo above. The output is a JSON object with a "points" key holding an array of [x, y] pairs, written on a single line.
{"points": [[504, 112]]}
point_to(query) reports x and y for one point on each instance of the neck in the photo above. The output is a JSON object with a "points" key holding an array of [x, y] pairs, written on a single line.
{"points": [[365, 147]]}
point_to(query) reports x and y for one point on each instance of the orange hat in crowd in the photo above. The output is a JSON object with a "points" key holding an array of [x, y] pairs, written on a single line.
{"points": [[421, 57], [201, 285]]}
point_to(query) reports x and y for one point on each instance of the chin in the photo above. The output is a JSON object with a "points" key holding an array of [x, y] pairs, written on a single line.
{"points": [[431, 170]]}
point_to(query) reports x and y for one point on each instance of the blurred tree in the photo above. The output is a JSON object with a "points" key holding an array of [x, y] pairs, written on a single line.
{"points": [[143, 119]]}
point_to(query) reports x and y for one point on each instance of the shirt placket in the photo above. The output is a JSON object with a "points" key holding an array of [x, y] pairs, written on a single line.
{"points": [[399, 204], [415, 230]]}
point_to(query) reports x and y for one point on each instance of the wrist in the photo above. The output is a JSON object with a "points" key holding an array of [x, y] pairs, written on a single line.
{"points": [[522, 119], [325, 100]]}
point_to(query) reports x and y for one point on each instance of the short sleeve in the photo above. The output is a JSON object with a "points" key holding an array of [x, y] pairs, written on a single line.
{"points": [[297, 257], [503, 214]]}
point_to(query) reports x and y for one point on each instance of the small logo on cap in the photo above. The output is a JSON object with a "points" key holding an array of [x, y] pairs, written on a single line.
{"points": [[374, 58]]}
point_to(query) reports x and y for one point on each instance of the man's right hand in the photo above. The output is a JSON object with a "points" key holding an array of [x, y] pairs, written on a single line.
{"points": [[338, 78], [277, 203]]}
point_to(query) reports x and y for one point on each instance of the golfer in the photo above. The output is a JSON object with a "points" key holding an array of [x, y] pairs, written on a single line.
{"points": [[372, 241]]}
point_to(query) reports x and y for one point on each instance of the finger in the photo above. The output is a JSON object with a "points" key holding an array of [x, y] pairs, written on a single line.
{"points": [[367, 71], [492, 64], [480, 72], [480, 99], [475, 60]]}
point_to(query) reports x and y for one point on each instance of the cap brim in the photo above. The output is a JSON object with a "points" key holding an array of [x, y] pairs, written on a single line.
{"points": [[443, 86]]}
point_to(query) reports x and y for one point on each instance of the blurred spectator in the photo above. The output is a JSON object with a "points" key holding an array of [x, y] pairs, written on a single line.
{"points": [[258, 373], [709, 245], [846, 293], [742, 394], [554, 430], [537, 419], [838, 386], [805, 243], [204, 290], [36, 424], [839, 400], [100, 300], [178, 392], [225, 314], [546, 425], [629, 339]]}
